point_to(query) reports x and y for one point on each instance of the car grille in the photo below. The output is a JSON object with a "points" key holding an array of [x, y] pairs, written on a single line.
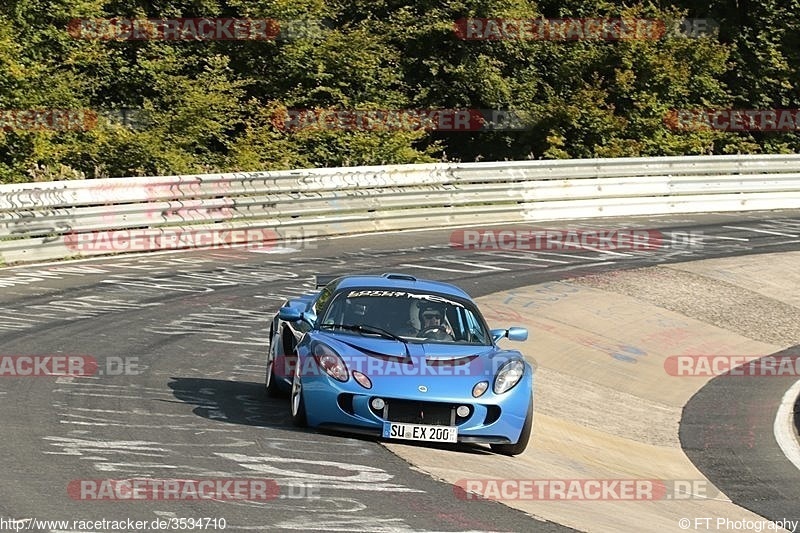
{"points": [[437, 414], [414, 412]]}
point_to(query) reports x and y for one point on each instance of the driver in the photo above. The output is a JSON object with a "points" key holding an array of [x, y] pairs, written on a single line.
{"points": [[432, 323]]}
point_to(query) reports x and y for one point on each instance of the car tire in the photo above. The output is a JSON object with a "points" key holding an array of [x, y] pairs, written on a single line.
{"points": [[297, 404], [270, 383], [524, 437]]}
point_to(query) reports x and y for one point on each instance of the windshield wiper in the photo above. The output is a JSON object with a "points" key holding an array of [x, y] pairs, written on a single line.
{"points": [[363, 328]]}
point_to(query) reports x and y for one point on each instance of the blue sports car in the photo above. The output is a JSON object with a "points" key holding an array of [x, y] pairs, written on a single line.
{"points": [[401, 358]]}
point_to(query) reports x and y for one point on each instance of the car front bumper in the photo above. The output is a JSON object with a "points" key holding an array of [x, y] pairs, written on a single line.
{"points": [[347, 407]]}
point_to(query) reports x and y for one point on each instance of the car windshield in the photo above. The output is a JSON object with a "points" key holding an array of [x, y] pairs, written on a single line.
{"points": [[411, 316]]}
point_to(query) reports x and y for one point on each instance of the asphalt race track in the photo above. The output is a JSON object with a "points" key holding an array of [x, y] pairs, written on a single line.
{"points": [[746, 462], [180, 339]]}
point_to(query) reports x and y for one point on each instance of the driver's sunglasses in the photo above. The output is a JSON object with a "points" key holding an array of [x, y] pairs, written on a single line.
{"points": [[431, 316]]}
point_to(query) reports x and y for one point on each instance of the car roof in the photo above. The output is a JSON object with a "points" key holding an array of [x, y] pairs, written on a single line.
{"points": [[400, 282]]}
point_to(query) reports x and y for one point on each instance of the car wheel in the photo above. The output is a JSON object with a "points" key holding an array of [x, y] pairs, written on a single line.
{"points": [[525, 436], [297, 404], [270, 383]]}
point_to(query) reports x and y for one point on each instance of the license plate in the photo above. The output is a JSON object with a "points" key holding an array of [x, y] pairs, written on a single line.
{"points": [[397, 430]]}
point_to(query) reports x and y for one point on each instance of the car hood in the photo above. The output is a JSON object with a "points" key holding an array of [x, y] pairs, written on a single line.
{"points": [[348, 345], [381, 356], [449, 369]]}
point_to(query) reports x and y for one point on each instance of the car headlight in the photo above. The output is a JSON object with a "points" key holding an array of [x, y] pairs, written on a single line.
{"points": [[508, 376], [330, 362]]}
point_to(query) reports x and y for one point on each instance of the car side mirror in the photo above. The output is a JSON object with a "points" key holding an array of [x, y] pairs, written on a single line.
{"points": [[291, 314], [517, 334], [512, 333]]}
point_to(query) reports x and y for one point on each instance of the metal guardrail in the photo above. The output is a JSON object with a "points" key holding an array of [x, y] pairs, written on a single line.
{"points": [[53, 220]]}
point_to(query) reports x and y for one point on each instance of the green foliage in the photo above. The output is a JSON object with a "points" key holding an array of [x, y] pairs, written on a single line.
{"points": [[172, 107]]}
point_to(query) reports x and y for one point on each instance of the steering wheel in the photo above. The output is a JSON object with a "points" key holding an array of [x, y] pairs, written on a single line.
{"points": [[435, 332], [432, 329]]}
